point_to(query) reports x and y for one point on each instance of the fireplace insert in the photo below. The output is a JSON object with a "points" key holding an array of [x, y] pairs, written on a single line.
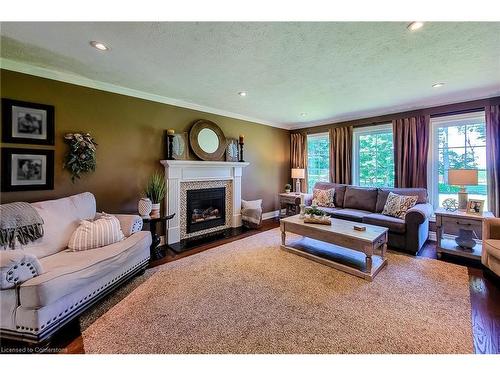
{"points": [[206, 208]]}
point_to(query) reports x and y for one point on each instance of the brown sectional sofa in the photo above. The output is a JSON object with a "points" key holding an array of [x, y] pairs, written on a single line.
{"points": [[365, 205]]}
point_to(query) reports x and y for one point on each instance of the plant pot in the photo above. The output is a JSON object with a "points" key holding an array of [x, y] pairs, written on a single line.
{"points": [[144, 207], [155, 210], [287, 191]]}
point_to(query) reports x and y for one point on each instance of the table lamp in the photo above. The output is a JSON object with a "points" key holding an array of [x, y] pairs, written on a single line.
{"points": [[298, 174], [462, 177]]}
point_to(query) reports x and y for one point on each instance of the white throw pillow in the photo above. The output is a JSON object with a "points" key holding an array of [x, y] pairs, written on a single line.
{"points": [[92, 234], [251, 204], [397, 205]]}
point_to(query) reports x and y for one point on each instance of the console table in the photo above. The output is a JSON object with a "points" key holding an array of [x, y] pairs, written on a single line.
{"points": [[447, 225]]}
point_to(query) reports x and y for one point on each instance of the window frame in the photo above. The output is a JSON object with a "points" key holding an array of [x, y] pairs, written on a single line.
{"points": [[356, 134], [433, 153], [316, 135]]}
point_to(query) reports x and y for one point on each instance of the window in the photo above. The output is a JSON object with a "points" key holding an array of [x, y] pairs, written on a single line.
{"points": [[458, 142], [318, 159], [373, 156]]}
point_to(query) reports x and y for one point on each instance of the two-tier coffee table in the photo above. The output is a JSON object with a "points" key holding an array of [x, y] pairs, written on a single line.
{"points": [[338, 245]]}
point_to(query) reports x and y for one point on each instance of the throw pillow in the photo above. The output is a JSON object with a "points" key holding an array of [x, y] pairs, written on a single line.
{"points": [[323, 198], [103, 231], [251, 204], [397, 205]]}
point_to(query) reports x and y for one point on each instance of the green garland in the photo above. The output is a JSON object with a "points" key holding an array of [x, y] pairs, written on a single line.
{"points": [[81, 156]]}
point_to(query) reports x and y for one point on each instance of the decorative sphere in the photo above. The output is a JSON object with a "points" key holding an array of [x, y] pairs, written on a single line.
{"points": [[450, 204]]}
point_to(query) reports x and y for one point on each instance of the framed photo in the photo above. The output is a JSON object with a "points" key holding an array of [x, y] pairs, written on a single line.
{"points": [[475, 206], [27, 169], [24, 122], [232, 150], [180, 147]]}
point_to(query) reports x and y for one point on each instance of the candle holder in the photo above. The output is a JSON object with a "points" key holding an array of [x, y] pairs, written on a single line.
{"points": [[170, 146], [241, 152]]}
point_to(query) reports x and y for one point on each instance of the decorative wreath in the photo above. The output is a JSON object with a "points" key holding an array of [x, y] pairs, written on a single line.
{"points": [[81, 156]]}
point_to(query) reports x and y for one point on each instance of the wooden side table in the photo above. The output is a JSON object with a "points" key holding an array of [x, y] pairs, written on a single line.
{"points": [[291, 201], [157, 252], [448, 224]]}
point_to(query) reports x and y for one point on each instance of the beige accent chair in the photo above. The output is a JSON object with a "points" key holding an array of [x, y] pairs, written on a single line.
{"points": [[491, 244], [44, 285]]}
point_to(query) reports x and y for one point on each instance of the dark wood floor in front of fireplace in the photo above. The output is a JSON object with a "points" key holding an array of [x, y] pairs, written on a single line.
{"points": [[484, 292]]}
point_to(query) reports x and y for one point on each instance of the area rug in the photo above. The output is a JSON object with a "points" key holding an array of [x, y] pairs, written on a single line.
{"points": [[249, 296]]}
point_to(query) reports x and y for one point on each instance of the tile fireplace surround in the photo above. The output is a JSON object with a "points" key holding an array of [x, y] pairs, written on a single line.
{"points": [[183, 175]]}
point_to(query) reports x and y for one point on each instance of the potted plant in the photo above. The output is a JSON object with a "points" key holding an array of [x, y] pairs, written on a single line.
{"points": [[315, 211], [288, 188], [155, 191]]}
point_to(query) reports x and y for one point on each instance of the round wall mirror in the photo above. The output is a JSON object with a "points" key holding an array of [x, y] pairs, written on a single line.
{"points": [[207, 140]]}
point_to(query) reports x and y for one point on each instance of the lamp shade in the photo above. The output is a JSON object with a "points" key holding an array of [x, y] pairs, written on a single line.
{"points": [[298, 173], [462, 176]]}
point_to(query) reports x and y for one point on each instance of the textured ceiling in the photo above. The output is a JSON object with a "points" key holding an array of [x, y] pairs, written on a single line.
{"points": [[330, 71]]}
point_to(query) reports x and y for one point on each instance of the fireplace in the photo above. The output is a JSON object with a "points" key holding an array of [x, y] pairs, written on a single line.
{"points": [[206, 208]]}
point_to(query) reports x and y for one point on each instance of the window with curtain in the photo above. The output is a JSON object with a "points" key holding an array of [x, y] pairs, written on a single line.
{"points": [[373, 156], [458, 142], [318, 159]]}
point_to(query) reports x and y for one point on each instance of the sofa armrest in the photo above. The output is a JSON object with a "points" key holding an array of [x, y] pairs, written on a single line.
{"points": [[491, 228], [16, 267], [129, 224], [419, 213], [308, 199]]}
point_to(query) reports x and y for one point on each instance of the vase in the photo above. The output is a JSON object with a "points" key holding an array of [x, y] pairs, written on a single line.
{"points": [[302, 211], [155, 210], [144, 207], [464, 239]]}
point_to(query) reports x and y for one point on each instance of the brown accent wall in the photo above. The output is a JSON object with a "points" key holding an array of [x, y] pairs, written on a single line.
{"points": [[130, 134]]}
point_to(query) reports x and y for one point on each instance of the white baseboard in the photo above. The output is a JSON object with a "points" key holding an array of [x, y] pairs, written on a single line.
{"points": [[270, 214]]}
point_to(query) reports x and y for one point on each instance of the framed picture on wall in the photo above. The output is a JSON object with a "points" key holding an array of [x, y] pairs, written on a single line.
{"points": [[27, 169], [24, 122]]}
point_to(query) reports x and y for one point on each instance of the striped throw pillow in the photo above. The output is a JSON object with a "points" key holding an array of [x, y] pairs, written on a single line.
{"points": [[92, 234]]}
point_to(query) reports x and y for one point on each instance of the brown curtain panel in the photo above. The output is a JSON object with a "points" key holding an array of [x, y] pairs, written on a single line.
{"points": [[298, 156], [341, 155], [492, 114], [411, 145]]}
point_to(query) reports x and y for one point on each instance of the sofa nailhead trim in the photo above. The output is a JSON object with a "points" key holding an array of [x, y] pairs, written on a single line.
{"points": [[88, 296]]}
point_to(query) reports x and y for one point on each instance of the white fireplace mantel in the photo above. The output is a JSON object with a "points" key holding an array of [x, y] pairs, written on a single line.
{"points": [[178, 171]]}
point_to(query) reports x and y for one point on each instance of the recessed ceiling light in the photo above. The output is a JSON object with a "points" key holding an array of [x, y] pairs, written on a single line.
{"points": [[99, 45], [242, 93], [439, 84], [415, 25], [303, 114]]}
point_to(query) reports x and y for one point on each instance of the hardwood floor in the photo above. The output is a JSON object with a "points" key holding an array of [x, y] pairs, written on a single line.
{"points": [[485, 301], [484, 294]]}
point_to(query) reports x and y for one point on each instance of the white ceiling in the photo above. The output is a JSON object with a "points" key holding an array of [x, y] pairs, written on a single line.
{"points": [[330, 71]]}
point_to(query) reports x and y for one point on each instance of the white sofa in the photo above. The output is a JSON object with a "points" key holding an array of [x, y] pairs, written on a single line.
{"points": [[44, 286]]}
